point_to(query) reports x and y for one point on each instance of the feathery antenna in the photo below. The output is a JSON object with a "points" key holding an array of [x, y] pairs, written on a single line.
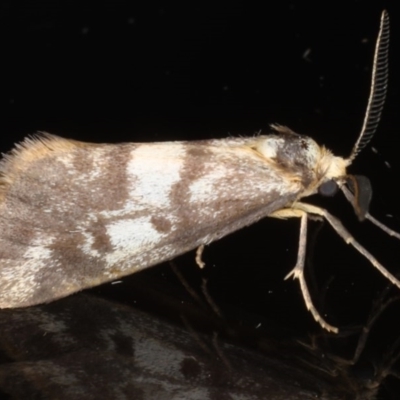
{"points": [[378, 88]]}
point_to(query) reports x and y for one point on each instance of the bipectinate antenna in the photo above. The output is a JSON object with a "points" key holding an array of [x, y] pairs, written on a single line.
{"points": [[379, 83]]}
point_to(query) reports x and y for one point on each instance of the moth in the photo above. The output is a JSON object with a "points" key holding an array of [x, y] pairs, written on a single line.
{"points": [[74, 215]]}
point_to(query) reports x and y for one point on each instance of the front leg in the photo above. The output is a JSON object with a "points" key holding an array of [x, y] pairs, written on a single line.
{"points": [[298, 271]]}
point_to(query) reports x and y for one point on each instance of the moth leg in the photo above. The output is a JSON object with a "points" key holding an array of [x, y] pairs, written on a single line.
{"points": [[187, 285], [298, 271], [220, 353], [348, 238], [199, 253], [379, 307], [210, 300]]}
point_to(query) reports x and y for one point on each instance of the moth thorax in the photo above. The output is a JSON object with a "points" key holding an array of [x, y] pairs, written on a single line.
{"points": [[291, 150]]}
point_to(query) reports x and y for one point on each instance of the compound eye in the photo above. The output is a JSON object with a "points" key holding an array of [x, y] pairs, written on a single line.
{"points": [[328, 188]]}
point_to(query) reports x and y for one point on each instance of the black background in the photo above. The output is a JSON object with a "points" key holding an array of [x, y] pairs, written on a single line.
{"points": [[153, 71]]}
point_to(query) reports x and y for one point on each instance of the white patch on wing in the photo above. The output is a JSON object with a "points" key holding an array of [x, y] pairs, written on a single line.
{"points": [[156, 349], [152, 171], [130, 238], [204, 189], [207, 189], [87, 246], [22, 277]]}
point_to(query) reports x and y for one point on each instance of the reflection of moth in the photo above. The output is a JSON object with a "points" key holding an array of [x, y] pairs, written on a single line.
{"points": [[74, 215], [85, 347], [52, 351]]}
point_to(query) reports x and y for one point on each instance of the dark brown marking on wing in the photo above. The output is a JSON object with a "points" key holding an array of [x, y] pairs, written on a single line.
{"points": [[161, 224], [111, 189]]}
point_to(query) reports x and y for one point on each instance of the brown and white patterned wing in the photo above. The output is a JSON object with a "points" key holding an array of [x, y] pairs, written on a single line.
{"points": [[74, 215]]}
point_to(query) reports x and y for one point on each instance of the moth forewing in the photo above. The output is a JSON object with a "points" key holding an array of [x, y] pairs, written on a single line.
{"points": [[74, 215]]}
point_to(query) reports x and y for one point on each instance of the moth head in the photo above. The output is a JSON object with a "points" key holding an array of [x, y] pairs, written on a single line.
{"points": [[331, 175], [359, 185]]}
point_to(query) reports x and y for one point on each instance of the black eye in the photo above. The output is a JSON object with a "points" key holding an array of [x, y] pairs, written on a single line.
{"points": [[328, 188]]}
